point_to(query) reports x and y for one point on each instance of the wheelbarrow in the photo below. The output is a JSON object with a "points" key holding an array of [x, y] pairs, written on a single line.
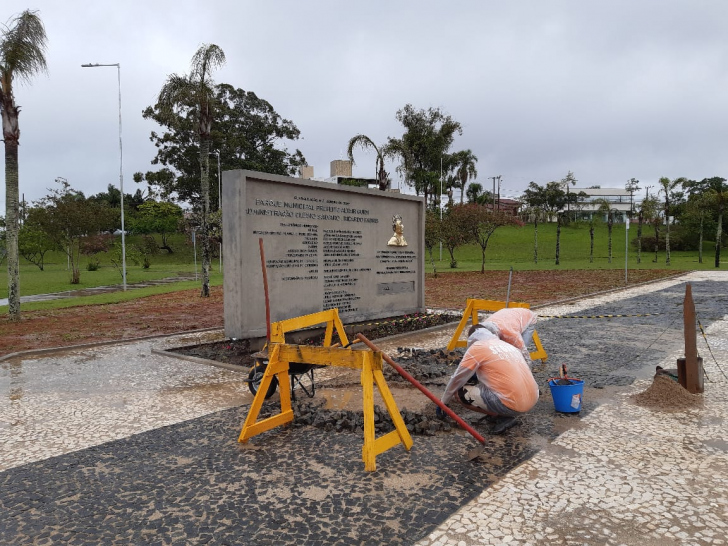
{"points": [[302, 376]]}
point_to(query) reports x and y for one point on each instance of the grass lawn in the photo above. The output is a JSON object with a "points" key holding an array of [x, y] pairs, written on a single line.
{"points": [[514, 247], [55, 276]]}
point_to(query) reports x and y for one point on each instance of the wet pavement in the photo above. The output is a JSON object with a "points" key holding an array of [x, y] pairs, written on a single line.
{"points": [[117, 445]]}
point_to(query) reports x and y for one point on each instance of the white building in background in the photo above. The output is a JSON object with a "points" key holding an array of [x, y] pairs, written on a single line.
{"points": [[619, 199]]}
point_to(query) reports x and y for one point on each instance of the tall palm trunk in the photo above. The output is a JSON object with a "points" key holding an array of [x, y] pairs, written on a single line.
{"points": [[11, 229], [205, 194], [591, 242], [718, 237], [382, 177], [558, 238], [640, 219], [610, 223], [700, 240], [22, 54], [667, 237]]}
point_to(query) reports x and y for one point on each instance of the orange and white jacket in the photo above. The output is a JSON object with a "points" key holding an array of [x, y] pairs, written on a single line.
{"points": [[499, 367], [512, 322]]}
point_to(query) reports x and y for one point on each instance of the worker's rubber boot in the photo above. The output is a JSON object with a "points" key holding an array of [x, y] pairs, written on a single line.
{"points": [[503, 424]]}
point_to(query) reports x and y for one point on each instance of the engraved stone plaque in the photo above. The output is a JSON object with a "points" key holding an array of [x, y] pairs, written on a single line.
{"points": [[326, 246], [391, 288]]}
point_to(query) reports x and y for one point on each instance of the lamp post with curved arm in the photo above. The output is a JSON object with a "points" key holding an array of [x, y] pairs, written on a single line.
{"points": [[121, 172]]}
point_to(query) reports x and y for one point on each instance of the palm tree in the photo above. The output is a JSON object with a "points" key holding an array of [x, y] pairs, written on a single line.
{"points": [[667, 187], [463, 163], [198, 88], [22, 54], [535, 198], [648, 214], [591, 238], [382, 152], [605, 207], [698, 206], [561, 219], [474, 192], [568, 180]]}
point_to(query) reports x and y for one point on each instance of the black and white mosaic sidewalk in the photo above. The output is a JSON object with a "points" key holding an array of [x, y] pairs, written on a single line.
{"points": [[182, 478]]}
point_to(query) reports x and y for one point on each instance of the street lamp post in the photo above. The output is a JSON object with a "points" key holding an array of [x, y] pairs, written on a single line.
{"points": [[121, 172], [441, 204], [626, 249]]}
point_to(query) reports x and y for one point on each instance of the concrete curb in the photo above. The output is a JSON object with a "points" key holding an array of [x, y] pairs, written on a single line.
{"points": [[198, 360]]}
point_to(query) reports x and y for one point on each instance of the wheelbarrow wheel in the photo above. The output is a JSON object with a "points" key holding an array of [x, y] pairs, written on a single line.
{"points": [[255, 376]]}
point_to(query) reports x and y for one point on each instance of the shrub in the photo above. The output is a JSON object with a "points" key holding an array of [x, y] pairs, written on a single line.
{"points": [[677, 242]]}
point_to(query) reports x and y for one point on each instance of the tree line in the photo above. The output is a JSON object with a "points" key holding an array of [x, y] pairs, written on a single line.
{"points": [[67, 221], [680, 212]]}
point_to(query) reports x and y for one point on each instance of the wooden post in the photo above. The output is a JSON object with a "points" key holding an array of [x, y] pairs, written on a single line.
{"points": [[693, 377]]}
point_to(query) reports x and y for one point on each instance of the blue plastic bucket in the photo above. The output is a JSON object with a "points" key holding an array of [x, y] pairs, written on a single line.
{"points": [[567, 398]]}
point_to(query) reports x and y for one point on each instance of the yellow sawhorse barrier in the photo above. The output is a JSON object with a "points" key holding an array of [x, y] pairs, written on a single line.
{"points": [[331, 318], [472, 309], [369, 362]]}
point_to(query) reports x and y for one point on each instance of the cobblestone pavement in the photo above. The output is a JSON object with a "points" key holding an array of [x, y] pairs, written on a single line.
{"points": [[115, 445]]}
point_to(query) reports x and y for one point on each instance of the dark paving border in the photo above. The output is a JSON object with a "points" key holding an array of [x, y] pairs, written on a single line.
{"points": [[192, 483]]}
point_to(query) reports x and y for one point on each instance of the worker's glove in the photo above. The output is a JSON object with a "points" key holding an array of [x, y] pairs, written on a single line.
{"points": [[439, 412]]}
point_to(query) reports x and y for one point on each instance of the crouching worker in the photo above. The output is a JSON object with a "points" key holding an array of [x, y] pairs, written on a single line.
{"points": [[505, 387], [514, 325]]}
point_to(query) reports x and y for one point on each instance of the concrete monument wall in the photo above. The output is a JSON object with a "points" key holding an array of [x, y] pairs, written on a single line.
{"points": [[325, 245]]}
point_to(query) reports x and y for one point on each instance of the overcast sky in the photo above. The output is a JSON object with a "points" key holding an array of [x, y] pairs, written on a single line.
{"points": [[607, 89]]}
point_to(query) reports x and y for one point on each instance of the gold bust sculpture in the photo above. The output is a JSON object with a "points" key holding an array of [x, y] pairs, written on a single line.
{"points": [[397, 238]]}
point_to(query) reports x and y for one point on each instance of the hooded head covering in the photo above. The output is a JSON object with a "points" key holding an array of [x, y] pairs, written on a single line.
{"points": [[483, 331]]}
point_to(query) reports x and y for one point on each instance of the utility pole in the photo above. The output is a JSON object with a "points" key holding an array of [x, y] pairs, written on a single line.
{"points": [[494, 178], [441, 203], [647, 191], [499, 181]]}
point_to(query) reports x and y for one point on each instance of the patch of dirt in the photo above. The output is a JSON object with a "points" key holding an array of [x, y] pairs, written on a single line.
{"points": [[337, 403], [450, 290], [667, 394], [154, 315], [239, 352], [186, 310]]}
